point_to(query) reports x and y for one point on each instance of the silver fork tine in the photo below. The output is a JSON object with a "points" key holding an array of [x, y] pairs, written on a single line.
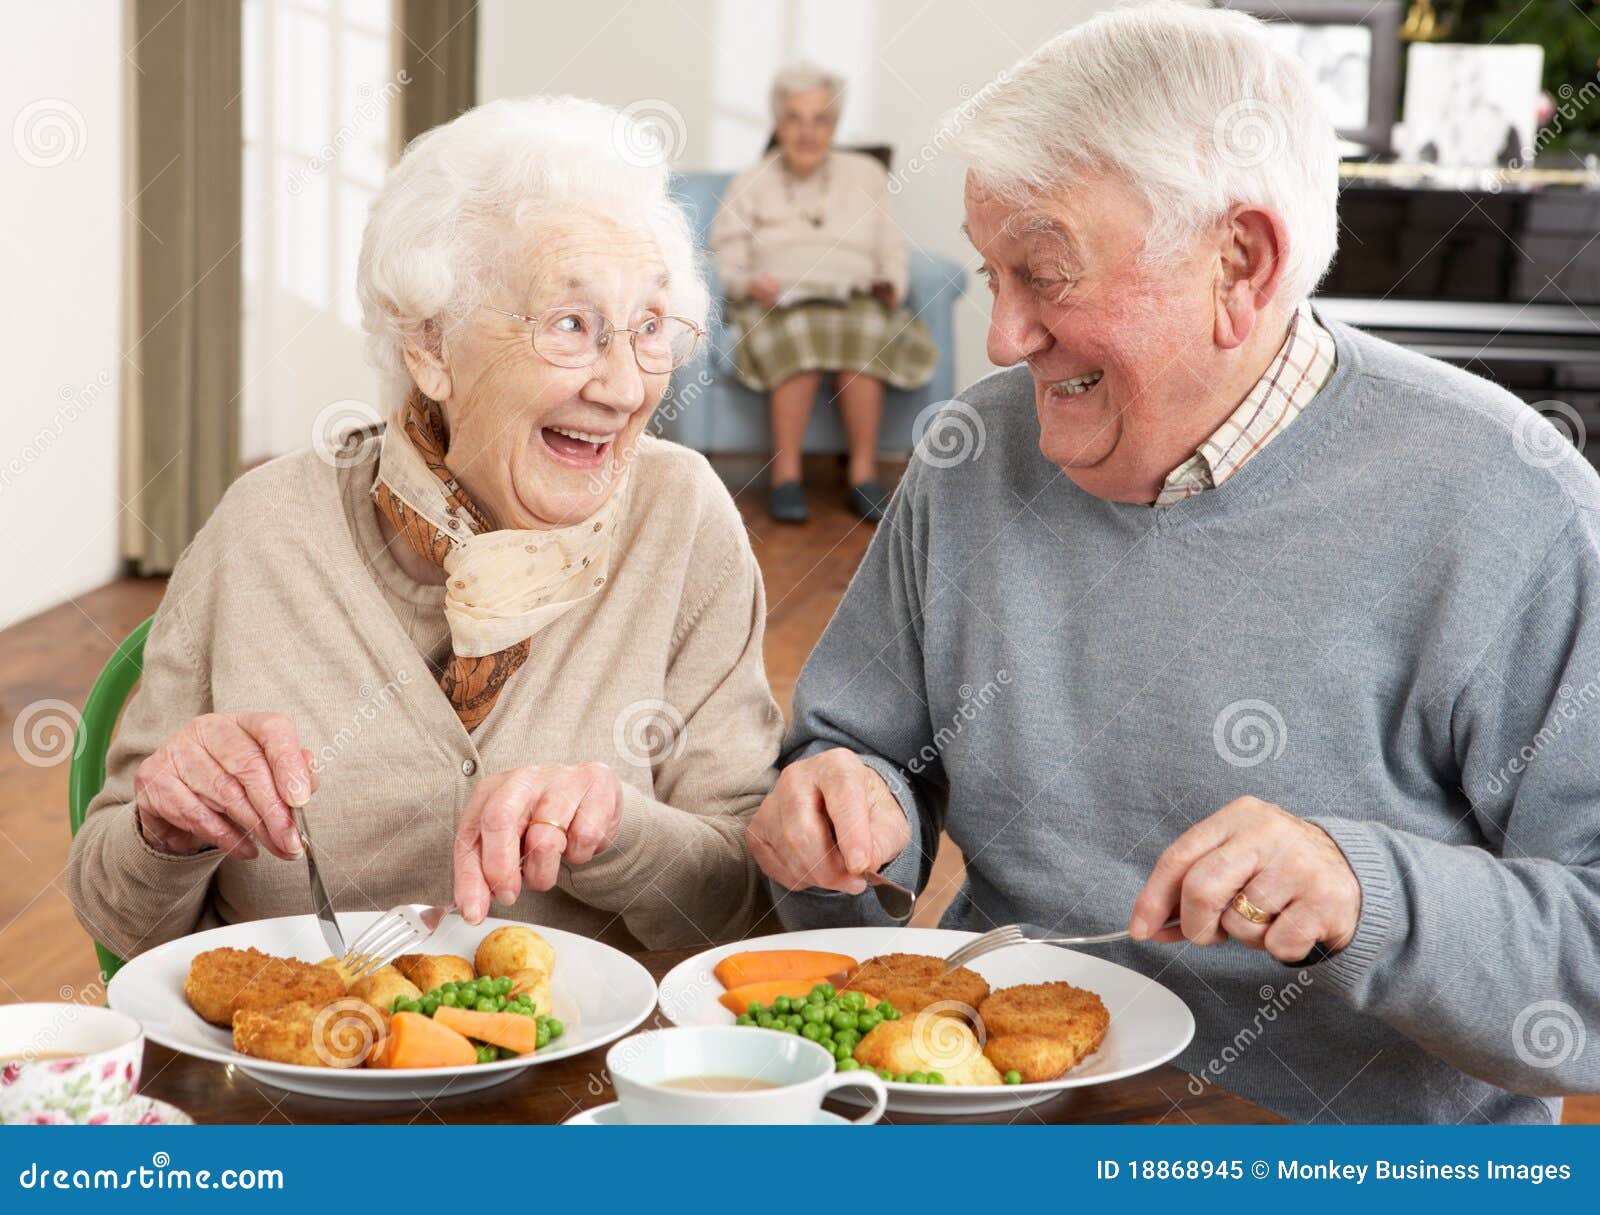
{"points": [[392, 943], [999, 938], [359, 946]]}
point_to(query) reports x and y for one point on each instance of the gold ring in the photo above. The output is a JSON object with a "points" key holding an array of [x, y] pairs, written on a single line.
{"points": [[1249, 910], [550, 822]]}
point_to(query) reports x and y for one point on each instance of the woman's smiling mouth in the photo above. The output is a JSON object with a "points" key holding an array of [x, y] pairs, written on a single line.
{"points": [[578, 448]]}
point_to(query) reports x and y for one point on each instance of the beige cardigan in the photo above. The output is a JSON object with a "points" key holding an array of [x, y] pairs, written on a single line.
{"points": [[282, 604], [764, 227]]}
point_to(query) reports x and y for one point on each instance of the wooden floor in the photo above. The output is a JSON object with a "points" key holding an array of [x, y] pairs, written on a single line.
{"points": [[55, 656]]}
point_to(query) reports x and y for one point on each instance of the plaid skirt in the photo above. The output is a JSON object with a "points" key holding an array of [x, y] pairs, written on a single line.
{"points": [[860, 334]]}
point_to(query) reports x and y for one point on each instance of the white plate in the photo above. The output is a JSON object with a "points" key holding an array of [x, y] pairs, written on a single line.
{"points": [[610, 1114], [1149, 1024], [599, 994]]}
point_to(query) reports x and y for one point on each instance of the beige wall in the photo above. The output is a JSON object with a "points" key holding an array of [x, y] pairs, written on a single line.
{"points": [[61, 217], [712, 61]]}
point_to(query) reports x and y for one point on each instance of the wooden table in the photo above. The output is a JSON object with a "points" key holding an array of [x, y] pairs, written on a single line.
{"points": [[553, 1092]]}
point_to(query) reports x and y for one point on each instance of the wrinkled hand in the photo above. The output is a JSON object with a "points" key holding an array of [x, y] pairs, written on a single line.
{"points": [[764, 289], [225, 779], [1287, 867], [828, 820], [502, 846]]}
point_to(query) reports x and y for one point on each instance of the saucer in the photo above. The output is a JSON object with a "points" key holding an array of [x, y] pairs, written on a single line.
{"points": [[135, 1111], [611, 1115]]}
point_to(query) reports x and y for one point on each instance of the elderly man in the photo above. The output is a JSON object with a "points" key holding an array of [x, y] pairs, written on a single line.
{"points": [[1216, 609]]}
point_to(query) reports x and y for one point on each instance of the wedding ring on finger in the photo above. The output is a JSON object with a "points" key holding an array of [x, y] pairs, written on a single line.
{"points": [[550, 822], [1249, 910]]}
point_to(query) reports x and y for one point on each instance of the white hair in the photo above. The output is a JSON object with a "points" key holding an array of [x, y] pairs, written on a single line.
{"points": [[1196, 109], [467, 198], [802, 78]]}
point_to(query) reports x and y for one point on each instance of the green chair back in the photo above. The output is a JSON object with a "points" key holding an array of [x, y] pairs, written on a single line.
{"points": [[88, 772]]}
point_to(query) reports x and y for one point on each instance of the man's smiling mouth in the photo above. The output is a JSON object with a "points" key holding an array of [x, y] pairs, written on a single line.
{"points": [[1077, 385]]}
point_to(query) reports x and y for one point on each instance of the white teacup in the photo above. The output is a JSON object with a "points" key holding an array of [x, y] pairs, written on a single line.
{"points": [[67, 1063], [801, 1072]]}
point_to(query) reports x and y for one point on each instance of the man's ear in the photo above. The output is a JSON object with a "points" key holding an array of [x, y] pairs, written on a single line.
{"points": [[425, 360], [1253, 248]]}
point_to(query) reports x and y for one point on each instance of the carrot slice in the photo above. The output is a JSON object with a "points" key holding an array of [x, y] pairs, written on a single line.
{"points": [[737, 1000], [770, 965], [513, 1031], [416, 1041]]}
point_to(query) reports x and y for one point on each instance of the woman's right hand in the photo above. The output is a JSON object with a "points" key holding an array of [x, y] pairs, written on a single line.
{"points": [[229, 780], [764, 289]]}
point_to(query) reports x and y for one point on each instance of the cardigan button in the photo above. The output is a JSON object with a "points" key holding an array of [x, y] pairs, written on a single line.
{"points": [[468, 767]]}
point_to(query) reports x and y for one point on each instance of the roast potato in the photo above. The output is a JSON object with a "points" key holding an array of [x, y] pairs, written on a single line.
{"points": [[512, 948], [381, 989], [430, 970], [537, 984]]}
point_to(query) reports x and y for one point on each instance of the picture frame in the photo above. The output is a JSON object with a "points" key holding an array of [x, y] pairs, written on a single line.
{"points": [[1353, 50]]}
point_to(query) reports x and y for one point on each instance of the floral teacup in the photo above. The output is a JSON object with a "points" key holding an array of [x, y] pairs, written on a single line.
{"points": [[67, 1063]]}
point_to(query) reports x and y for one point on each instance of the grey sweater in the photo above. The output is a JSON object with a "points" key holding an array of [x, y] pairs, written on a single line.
{"points": [[1388, 622]]}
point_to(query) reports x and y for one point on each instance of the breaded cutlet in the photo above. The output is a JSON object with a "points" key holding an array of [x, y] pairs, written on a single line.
{"points": [[221, 982], [912, 982], [1042, 1029], [341, 1034]]}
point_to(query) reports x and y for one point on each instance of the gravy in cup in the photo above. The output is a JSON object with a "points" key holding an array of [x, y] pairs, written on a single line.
{"points": [[700, 1075]]}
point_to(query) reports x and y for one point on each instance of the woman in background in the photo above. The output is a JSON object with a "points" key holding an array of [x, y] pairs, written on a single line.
{"points": [[814, 270]]}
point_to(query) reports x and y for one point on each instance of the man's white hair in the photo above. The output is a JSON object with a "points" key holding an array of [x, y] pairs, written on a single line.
{"points": [[467, 199], [1195, 108], [802, 78]]}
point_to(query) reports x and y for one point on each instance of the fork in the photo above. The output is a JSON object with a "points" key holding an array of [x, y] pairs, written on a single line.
{"points": [[392, 934], [1023, 934]]}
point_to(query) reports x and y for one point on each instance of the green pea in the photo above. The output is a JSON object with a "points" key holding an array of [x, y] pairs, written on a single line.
{"points": [[811, 1030], [841, 1051], [885, 1074], [484, 1004], [399, 1004], [885, 1008], [892, 1015], [756, 1008], [918, 1077], [853, 1000], [812, 1012], [781, 1005], [448, 999], [744, 1019], [542, 1038], [794, 1020], [1013, 1077], [901, 1078], [827, 989], [843, 1020], [831, 1009], [816, 996], [487, 1054], [430, 1005], [935, 1077], [846, 1065], [556, 1028], [868, 1020]]}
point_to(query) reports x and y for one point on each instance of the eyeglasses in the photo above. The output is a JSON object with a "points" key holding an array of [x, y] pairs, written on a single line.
{"points": [[569, 336]]}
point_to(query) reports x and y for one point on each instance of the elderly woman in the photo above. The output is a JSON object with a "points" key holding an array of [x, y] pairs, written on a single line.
{"points": [[1266, 626], [506, 648], [815, 273]]}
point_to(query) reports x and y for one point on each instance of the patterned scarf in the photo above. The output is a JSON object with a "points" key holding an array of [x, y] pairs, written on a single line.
{"points": [[502, 586]]}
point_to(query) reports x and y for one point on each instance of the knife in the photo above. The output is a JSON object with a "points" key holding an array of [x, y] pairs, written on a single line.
{"points": [[319, 893]]}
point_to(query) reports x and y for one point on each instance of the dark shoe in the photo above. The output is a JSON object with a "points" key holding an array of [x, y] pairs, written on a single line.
{"points": [[787, 503], [868, 500]]}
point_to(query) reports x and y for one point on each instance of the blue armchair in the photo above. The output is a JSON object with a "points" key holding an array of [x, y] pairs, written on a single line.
{"points": [[717, 413]]}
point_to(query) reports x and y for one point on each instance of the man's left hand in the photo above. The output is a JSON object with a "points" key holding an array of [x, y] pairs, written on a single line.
{"points": [[1286, 867]]}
